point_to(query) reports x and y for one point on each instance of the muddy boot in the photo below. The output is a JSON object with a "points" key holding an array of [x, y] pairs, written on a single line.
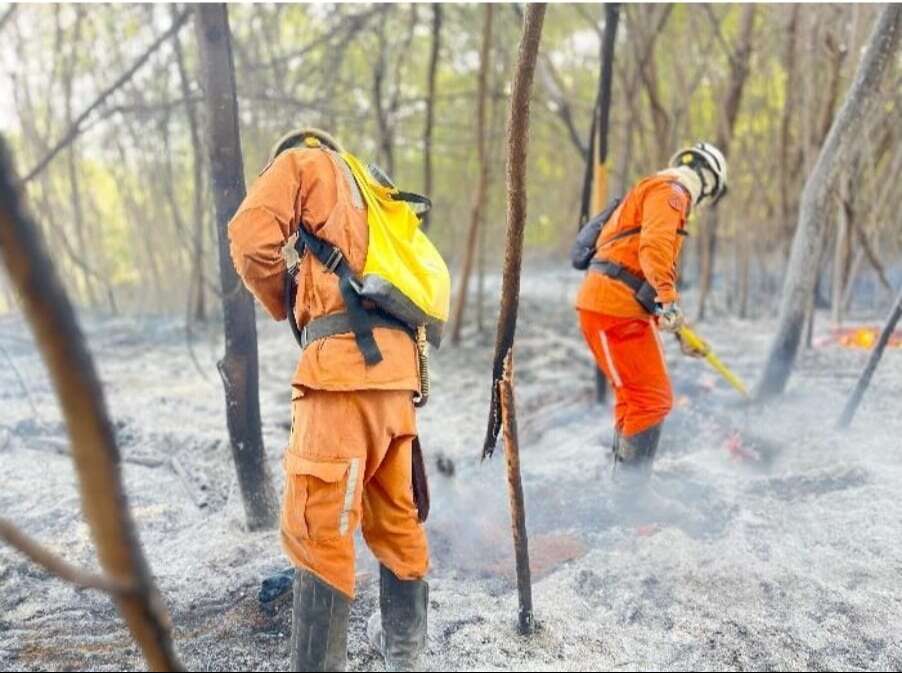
{"points": [[319, 633], [633, 460], [398, 630], [634, 455]]}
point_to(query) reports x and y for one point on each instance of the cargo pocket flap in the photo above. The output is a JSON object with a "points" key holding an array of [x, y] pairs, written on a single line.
{"points": [[329, 472]]}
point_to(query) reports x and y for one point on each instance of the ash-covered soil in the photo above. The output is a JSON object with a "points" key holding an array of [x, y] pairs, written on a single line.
{"points": [[772, 542]]}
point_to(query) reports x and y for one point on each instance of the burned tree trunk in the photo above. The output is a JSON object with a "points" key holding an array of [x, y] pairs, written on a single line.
{"points": [[605, 86], [840, 145], [865, 380], [526, 620], [437, 17], [238, 368], [94, 451], [517, 140], [502, 412], [593, 200], [476, 214]]}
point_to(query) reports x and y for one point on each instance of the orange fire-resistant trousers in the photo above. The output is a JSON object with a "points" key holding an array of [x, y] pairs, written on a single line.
{"points": [[630, 353], [348, 464]]}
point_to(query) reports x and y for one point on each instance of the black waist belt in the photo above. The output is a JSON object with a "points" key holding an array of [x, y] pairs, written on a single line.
{"points": [[643, 291], [342, 323]]}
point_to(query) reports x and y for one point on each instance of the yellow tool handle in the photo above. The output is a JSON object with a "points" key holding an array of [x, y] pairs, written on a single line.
{"points": [[695, 342]]}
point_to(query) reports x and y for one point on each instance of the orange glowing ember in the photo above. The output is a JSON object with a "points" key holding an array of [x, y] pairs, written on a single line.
{"points": [[864, 338]]}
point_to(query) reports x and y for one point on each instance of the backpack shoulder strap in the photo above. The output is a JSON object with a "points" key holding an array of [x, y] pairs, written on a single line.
{"points": [[424, 202], [333, 259]]}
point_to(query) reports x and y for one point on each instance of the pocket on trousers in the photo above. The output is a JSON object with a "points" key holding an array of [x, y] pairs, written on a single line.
{"points": [[319, 496]]}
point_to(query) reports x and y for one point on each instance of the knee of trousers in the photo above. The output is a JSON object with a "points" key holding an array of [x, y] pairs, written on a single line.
{"points": [[647, 409], [332, 561], [399, 543]]}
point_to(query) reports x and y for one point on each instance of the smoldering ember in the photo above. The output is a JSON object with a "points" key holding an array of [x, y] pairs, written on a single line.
{"points": [[450, 337]]}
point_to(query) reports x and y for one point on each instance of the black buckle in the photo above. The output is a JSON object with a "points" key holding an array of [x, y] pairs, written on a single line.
{"points": [[335, 258]]}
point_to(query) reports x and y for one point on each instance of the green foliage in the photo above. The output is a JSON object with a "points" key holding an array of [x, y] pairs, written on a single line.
{"points": [[299, 65]]}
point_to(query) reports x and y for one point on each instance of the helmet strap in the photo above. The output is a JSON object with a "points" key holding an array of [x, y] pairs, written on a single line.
{"points": [[701, 176]]}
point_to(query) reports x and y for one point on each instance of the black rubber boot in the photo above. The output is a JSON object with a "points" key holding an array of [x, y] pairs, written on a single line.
{"points": [[636, 454], [319, 633], [399, 632]]}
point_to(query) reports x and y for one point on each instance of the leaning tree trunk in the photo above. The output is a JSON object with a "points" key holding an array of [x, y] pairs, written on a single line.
{"points": [[94, 451], [845, 420], [502, 412], [238, 368], [837, 151], [476, 214]]}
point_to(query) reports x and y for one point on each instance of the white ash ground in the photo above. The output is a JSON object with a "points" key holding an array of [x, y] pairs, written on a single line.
{"points": [[788, 558]]}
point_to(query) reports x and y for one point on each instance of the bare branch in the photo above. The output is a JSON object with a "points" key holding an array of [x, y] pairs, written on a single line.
{"points": [[94, 451], [76, 127], [348, 26], [57, 566]]}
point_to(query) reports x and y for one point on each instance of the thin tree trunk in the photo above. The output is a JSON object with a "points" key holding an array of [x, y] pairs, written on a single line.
{"points": [[517, 141], [598, 153], [435, 49], [503, 412], [93, 441], [496, 134], [199, 309], [78, 216], [789, 93], [745, 243], [239, 367], [840, 251], [526, 620], [845, 420], [739, 71], [476, 213], [606, 84], [838, 148]]}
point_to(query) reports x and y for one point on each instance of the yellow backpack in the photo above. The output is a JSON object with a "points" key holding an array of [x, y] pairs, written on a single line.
{"points": [[404, 273], [404, 283]]}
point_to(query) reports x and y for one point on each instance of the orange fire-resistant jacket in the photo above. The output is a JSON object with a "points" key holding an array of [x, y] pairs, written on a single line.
{"points": [[657, 209], [312, 187]]}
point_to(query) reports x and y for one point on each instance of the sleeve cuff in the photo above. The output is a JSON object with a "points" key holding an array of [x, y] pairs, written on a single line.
{"points": [[667, 297]]}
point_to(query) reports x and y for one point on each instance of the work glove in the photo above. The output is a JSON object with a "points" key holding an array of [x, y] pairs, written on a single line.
{"points": [[670, 317], [687, 349]]}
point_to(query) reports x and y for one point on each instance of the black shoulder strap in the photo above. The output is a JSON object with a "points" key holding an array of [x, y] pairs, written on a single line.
{"points": [[622, 234], [416, 199], [334, 260], [636, 230]]}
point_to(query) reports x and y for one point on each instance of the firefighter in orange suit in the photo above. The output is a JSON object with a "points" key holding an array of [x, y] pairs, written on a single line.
{"points": [[630, 293], [349, 458]]}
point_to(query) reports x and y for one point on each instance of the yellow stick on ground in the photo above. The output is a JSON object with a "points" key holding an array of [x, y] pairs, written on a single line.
{"points": [[695, 342]]}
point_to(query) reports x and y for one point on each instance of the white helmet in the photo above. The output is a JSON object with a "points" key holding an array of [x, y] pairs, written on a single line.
{"points": [[710, 165], [309, 136]]}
